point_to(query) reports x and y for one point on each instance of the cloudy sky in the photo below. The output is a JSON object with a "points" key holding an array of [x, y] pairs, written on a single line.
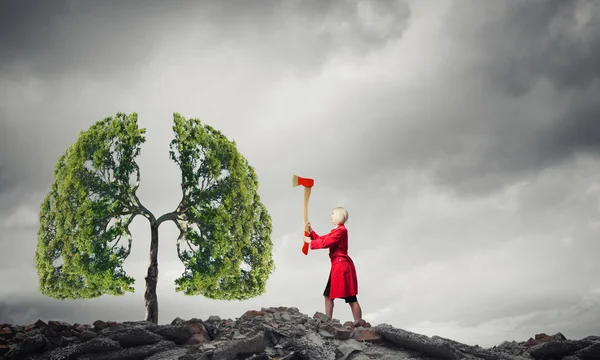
{"points": [[462, 137]]}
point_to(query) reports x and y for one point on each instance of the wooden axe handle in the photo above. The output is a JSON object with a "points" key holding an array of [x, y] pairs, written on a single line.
{"points": [[306, 198], [306, 233]]}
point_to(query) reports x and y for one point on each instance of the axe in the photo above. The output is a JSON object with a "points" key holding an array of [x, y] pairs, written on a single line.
{"points": [[308, 184]]}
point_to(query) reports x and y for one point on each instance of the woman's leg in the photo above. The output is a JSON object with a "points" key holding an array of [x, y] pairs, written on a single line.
{"points": [[355, 307], [328, 301], [356, 310], [328, 307]]}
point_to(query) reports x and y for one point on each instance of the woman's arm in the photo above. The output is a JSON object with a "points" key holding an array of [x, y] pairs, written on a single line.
{"points": [[325, 241], [311, 233]]}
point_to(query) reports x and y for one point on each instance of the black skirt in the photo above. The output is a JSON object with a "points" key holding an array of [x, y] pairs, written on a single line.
{"points": [[349, 299]]}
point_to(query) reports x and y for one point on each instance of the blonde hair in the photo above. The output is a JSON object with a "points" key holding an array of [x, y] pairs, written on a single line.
{"points": [[340, 215]]}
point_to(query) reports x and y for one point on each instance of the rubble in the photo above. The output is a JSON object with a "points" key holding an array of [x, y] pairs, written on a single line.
{"points": [[278, 333], [557, 346]]}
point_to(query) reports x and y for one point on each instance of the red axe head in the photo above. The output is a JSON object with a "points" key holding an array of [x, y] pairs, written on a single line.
{"points": [[297, 180]]}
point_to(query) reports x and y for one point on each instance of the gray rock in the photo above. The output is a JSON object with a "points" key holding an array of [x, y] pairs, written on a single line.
{"points": [[418, 342], [359, 357], [19, 337], [476, 351], [390, 351], [179, 334], [511, 348], [134, 353], [97, 345], [208, 349], [241, 348], [134, 336], [273, 333], [314, 340], [87, 335], [348, 347], [179, 353], [319, 316], [326, 335], [262, 356], [589, 352], [556, 349], [312, 347], [140, 323], [592, 338], [64, 341], [59, 325], [177, 321], [29, 346], [40, 324]]}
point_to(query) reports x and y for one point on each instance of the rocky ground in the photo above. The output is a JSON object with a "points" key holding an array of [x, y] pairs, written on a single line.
{"points": [[273, 333]]}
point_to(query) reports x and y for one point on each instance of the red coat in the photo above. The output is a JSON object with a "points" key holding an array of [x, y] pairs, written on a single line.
{"points": [[344, 281]]}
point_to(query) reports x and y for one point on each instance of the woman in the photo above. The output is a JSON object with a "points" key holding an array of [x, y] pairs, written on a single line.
{"points": [[342, 283]]}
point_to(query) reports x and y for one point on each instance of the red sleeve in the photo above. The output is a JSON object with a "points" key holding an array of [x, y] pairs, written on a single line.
{"points": [[313, 235], [325, 241]]}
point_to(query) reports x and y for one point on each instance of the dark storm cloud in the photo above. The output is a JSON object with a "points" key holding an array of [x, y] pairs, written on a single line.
{"points": [[11, 311], [54, 47], [26, 310], [5, 180], [536, 40], [559, 42], [49, 39], [489, 118], [29, 153], [578, 129], [555, 41], [10, 165], [52, 38]]}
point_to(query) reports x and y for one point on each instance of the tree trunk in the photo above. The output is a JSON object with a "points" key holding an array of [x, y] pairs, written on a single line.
{"points": [[150, 299]]}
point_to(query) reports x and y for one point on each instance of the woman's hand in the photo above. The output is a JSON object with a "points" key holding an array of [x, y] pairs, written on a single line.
{"points": [[309, 227], [307, 240]]}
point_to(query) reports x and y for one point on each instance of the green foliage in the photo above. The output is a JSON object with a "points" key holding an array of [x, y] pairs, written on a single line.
{"points": [[87, 212], [92, 201], [225, 229]]}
